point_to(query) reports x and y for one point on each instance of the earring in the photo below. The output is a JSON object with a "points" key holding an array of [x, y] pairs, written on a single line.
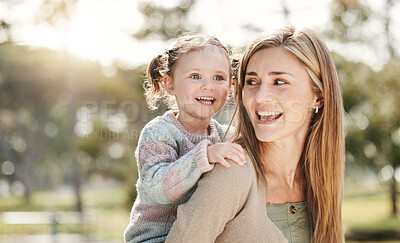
{"points": [[316, 109]]}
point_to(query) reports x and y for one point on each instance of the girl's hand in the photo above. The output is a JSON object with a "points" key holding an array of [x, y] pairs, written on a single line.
{"points": [[217, 153]]}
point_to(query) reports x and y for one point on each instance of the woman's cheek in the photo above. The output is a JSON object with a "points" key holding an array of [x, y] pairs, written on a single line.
{"points": [[297, 113]]}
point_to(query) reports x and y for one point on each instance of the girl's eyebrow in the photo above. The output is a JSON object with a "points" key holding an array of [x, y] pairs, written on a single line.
{"points": [[220, 71], [191, 69], [196, 69]]}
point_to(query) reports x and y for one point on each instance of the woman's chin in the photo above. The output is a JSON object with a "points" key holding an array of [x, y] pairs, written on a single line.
{"points": [[265, 138]]}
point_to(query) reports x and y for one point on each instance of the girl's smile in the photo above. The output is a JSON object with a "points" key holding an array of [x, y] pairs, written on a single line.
{"points": [[205, 100], [200, 83]]}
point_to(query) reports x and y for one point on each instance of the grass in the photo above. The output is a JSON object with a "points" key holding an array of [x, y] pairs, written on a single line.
{"points": [[369, 213], [110, 214]]}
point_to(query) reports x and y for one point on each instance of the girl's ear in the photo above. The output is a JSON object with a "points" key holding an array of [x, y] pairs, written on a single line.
{"points": [[168, 84]]}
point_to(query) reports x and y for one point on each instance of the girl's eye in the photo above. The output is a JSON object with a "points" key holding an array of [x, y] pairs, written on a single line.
{"points": [[279, 82], [251, 82], [219, 78], [195, 76]]}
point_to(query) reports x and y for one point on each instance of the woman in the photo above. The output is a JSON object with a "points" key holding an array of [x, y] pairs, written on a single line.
{"points": [[290, 122]]}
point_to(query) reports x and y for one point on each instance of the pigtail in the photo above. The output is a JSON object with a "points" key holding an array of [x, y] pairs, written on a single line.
{"points": [[234, 70], [153, 86], [235, 56], [235, 63]]}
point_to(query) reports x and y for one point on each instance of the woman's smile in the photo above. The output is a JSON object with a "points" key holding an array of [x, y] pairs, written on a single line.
{"points": [[267, 117], [277, 95]]}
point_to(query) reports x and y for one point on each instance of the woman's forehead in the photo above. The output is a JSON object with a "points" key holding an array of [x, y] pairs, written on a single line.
{"points": [[274, 58]]}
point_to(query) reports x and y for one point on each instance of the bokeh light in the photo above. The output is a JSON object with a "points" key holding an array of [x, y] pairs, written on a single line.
{"points": [[8, 168]]}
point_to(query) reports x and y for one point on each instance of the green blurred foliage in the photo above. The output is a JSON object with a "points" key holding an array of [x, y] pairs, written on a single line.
{"points": [[165, 22], [372, 117], [41, 92], [370, 97], [348, 19], [48, 98], [55, 12]]}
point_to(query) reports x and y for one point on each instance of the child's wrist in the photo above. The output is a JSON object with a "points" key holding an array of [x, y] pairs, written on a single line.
{"points": [[202, 156]]}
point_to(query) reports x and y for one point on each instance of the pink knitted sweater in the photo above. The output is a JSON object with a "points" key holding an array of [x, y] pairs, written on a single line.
{"points": [[170, 162]]}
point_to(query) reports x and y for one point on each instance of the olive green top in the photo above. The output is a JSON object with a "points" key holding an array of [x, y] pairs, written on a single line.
{"points": [[292, 220]]}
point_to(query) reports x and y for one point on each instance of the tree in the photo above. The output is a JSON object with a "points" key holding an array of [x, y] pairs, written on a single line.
{"points": [[165, 22], [39, 130], [373, 121], [40, 101]]}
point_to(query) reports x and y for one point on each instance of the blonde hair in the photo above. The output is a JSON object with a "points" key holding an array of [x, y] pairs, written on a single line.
{"points": [[165, 64], [322, 161]]}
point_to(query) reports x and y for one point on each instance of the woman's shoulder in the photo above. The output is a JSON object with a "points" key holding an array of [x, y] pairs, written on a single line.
{"points": [[235, 175]]}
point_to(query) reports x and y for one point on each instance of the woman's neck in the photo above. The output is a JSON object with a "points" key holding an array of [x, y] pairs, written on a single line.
{"points": [[284, 183], [282, 156]]}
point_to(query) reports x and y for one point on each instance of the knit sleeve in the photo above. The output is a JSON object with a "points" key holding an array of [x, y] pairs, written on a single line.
{"points": [[165, 177], [220, 195]]}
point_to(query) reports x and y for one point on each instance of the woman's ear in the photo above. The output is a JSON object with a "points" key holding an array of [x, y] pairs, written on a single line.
{"points": [[319, 102], [168, 84]]}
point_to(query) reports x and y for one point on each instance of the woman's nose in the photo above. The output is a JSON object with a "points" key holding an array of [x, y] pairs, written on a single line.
{"points": [[264, 95]]}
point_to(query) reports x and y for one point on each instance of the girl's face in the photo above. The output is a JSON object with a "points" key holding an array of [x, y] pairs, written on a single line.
{"points": [[278, 96], [200, 83]]}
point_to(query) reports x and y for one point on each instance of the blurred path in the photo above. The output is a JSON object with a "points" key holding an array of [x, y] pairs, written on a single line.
{"points": [[59, 238]]}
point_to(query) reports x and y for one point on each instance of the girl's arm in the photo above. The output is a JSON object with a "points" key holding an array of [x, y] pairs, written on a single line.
{"points": [[165, 178]]}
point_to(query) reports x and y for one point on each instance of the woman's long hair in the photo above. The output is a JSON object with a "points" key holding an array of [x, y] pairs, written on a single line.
{"points": [[322, 161]]}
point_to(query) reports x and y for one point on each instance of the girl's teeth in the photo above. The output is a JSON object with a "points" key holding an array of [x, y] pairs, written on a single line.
{"points": [[205, 100]]}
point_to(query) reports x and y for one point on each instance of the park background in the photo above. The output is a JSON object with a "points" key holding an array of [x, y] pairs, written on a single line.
{"points": [[72, 105]]}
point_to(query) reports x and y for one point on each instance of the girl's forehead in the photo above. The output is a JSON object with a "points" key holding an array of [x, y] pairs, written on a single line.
{"points": [[204, 53], [207, 50]]}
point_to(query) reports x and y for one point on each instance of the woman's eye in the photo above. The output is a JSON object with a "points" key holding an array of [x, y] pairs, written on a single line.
{"points": [[279, 82], [195, 76], [251, 82], [218, 78]]}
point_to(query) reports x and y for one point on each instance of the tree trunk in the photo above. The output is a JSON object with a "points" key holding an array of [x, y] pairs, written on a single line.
{"points": [[393, 188], [77, 183]]}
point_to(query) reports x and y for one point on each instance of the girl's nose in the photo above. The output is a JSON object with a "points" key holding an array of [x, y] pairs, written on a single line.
{"points": [[207, 84]]}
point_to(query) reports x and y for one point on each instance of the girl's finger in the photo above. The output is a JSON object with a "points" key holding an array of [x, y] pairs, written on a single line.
{"points": [[234, 157], [238, 150], [223, 162]]}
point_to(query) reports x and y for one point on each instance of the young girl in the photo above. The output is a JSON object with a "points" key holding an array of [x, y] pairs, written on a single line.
{"points": [[174, 150]]}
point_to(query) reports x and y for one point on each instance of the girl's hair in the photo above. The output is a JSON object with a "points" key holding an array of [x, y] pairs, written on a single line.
{"points": [[322, 162], [166, 63]]}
